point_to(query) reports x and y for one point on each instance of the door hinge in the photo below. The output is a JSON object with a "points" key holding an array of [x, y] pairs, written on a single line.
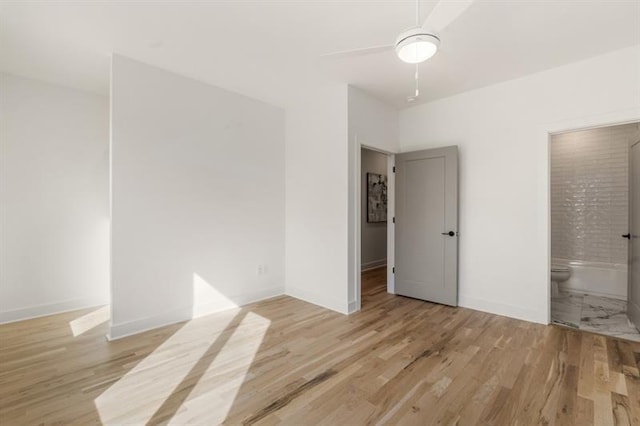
{"points": [[393, 270], [394, 169], [394, 219]]}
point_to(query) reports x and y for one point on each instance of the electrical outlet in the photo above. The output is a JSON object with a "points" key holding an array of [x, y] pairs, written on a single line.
{"points": [[262, 269]]}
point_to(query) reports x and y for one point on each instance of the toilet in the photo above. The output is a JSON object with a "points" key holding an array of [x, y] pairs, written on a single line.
{"points": [[559, 274]]}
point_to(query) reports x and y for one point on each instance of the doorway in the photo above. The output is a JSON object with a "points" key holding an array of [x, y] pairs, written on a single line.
{"points": [[420, 226], [374, 217], [426, 235], [592, 192]]}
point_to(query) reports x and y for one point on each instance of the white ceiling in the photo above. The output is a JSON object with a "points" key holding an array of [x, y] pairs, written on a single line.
{"points": [[271, 49]]}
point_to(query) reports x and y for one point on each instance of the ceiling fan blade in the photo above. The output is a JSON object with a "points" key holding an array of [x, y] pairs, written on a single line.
{"points": [[358, 52], [444, 13]]}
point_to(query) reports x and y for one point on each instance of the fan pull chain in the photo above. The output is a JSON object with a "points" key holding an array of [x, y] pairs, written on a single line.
{"points": [[417, 85]]}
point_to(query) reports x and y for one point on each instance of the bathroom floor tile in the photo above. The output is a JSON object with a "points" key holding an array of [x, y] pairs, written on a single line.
{"points": [[595, 314], [607, 316], [566, 309], [594, 306]]}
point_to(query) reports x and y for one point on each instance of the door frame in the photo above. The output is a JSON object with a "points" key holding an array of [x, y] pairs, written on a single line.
{"points": [[546, 131], [630, 230], [356, 263]]}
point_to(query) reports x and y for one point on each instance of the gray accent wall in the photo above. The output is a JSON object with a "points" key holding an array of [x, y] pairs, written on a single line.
{"points": [[373, 235]]}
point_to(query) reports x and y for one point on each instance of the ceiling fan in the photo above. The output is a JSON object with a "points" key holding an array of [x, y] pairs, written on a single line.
{"points": [[418, 43]]}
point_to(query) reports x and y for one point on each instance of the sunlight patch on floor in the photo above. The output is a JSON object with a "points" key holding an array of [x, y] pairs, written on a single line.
{"points": [[91, 320], [150, 385], [215, 392], [136, 397]]}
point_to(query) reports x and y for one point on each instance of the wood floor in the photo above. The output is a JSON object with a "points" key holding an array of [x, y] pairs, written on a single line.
{"points": [[398, 361]]}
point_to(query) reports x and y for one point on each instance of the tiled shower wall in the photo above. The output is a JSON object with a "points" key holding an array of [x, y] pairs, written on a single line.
{"points": [[590, 193]]}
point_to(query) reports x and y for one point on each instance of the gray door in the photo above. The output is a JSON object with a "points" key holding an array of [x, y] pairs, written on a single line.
{"points": [[426, 246], [633, 299]]}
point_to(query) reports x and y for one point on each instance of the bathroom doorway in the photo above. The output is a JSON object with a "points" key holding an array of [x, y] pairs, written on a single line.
{"points": [[592, 195]]}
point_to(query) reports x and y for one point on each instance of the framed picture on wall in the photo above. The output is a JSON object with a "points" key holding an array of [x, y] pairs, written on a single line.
{"points": [[376, 198]]}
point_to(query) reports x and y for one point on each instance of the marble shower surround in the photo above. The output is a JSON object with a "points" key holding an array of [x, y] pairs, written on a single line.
{"points": [[590, 193]]}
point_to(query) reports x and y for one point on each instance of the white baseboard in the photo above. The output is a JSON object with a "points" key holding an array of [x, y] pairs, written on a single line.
{"points": [[50, 309], [317, 299], [129, 328], [373, 264], [352, 307], [501, 309], [236, 301]]}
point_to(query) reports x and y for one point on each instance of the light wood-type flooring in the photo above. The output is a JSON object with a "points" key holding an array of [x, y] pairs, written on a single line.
{"points": [[398, 361]]}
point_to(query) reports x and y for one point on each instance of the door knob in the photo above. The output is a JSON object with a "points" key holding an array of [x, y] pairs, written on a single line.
{"points": [[450, 233], [627, 236]]}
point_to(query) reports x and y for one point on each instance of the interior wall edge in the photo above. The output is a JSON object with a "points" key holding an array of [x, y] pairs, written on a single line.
{"points": [[372, 125]]}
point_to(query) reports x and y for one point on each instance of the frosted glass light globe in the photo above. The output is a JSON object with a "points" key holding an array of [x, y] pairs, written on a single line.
{"points": [[416, 45]]}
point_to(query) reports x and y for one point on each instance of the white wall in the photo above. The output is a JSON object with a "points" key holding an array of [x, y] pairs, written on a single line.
{"points": [[197, 179], [501, 131], [317, 196], [373, 234], [372, 124], [54, 223], [326, 126]]}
